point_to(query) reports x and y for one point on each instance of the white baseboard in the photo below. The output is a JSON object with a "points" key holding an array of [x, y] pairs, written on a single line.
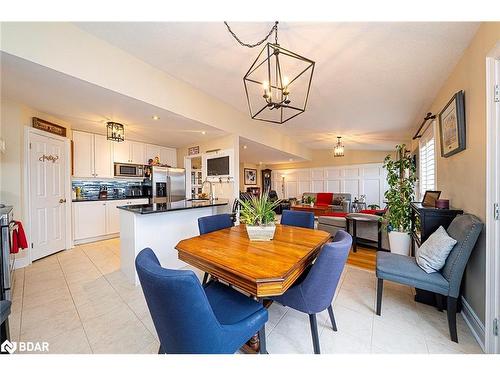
{"points": [[474, 323], [95, 239], [21, 262]]}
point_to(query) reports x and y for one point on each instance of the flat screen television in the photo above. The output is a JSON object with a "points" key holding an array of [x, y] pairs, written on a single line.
{"points": [[218, 166]]}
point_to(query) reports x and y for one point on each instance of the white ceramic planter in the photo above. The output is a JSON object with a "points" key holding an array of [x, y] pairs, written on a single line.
{"points": [[261, 232], [399, 242]]}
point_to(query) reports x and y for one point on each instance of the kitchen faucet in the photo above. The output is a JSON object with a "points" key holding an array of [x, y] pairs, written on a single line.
{"points": [[211, 196]]}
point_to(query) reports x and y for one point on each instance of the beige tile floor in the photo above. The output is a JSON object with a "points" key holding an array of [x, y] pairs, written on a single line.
{"points": [[79, 302]]}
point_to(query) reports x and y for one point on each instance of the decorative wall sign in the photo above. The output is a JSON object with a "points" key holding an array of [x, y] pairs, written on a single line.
{"points": [[194, 150], [452, 126], [51, 158], [250, 176], [50, 127]]}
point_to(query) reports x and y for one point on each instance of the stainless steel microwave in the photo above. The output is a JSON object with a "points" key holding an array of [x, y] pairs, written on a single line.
{"points": [[129, 170]]}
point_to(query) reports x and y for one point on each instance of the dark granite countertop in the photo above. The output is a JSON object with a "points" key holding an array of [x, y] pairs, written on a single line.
{"points": [[95, 199], [174, 206]]}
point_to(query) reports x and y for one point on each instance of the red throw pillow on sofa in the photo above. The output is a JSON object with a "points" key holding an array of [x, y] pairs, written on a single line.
{"points": [[324, 199]]}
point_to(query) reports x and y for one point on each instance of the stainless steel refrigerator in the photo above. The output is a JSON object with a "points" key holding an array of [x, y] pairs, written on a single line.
{"points": [[168, 184]]}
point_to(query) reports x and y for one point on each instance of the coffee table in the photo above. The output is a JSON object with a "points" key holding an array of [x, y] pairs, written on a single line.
{"points": [[317, 210]]}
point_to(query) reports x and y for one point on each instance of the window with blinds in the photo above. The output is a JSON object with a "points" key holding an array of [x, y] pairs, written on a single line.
{"points": [[427, 161]]}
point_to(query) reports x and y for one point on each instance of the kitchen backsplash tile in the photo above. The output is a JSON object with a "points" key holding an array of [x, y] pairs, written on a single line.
{"points": [[116, 188]]}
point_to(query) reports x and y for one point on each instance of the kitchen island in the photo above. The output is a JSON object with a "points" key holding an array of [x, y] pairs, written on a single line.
{"points": [[160, 227]]}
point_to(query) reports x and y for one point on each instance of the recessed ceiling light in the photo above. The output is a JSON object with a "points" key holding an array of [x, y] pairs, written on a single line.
{"points": [[203, 132], [155, 117], [245, 147], [290, 159]]}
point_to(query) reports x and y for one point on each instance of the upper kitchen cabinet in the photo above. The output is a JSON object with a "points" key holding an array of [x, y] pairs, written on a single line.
{"points": [[103, 162], [91, 155], [129, 152], [167, 155]]}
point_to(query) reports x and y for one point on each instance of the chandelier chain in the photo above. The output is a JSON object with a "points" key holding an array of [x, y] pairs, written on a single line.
{"points": [[249, 45]]}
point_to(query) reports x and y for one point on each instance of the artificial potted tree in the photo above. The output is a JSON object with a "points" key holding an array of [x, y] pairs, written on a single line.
{"points": [[401, 179], [257, 213]]}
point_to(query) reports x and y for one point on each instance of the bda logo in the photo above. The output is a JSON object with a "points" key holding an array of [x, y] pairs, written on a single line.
{"points": [[8, 347]]}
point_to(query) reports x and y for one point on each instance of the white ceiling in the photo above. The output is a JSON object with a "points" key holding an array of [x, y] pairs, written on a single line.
{"points": [[373, 82], [88, 107], [256, 153]]}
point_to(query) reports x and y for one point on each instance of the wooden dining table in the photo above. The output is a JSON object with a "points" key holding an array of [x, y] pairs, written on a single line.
{"points": [[259, 268]]}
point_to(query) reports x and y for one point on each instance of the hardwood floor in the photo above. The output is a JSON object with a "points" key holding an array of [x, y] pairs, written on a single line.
{"points": [[363, 258]]}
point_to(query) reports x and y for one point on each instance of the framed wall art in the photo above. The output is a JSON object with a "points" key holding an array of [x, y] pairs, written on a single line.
{"points": [[250, 176], [452, 126]]}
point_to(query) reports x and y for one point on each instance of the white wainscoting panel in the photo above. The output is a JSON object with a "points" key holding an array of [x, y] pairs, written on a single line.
{"points": [[318, 186], [367, 179]]}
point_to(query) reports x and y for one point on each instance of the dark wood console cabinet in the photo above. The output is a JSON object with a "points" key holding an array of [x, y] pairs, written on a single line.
{"points": [[424, 222]]}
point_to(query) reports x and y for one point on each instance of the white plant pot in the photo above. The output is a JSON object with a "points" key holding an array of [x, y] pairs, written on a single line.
{"points": [[399, 242], [261, 232], [311, 204]]}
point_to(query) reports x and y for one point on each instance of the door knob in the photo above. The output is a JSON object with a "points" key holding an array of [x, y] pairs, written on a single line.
{"points": [[62, 200]]}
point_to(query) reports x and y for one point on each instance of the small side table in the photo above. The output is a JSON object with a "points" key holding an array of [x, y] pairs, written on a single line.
{"points": [[353, 218], [358, 206]]}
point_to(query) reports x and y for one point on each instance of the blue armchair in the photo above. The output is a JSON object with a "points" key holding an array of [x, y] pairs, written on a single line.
{"points": [[212, 223], [191, 319], [405, 270], [313, 292], [298, 219]]}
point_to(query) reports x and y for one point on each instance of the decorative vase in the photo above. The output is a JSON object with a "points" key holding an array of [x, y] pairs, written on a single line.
{"points": [[311, 204], [261, 232], [399, 242]]}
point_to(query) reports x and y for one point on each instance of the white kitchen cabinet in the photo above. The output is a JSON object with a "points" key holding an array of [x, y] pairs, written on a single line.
{"points": [[83, 154], [103, 163], [151, 152], [129, 152], [137, 151], [99, 218], [169, 156], [113, 213], [91, 155], [113, 216], [121, 152], [89, 219]]}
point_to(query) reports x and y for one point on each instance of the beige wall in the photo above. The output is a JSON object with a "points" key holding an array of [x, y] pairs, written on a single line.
{"points": [[14, 118], [462, 177], [324, 158], [224, 190]]}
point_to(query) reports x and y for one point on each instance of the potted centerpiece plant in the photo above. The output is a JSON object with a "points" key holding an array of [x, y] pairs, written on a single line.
{"points": [[310, 200], [401, 179], [257, 213]]}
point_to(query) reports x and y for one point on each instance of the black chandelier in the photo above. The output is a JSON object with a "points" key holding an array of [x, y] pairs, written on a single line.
{"points": [[116, 132], [338, 150], [277, 84]]}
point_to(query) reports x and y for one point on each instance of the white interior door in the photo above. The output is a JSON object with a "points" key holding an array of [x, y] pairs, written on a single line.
{"points": [[47, 195]]}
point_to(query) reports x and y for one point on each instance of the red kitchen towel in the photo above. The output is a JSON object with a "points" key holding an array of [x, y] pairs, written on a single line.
{"points": [[18, 239]]}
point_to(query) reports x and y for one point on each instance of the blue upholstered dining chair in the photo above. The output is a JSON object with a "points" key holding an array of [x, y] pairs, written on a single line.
{"points": [[313, 292], [212, 223], [405, 270], [298, 219], [191, 319]]}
